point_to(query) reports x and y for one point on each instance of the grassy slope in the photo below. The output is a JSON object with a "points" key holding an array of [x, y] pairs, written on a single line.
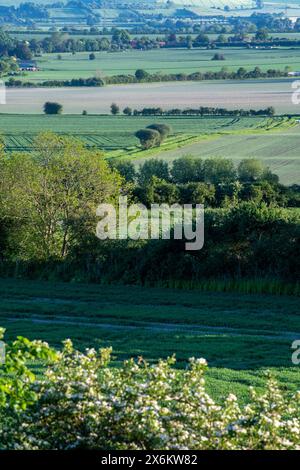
{"points": [[240, 335]]}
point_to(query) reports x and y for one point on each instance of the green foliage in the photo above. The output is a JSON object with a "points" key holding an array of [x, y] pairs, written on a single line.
{"points": [[51, 196], [53, 108], [149, 138], [148, 407], [187, 169], [219, 170], [126, 169], [16, 378], [250, 170], [127, 111], [163, 129], [150, 168], [141, 75], [115, 110]]}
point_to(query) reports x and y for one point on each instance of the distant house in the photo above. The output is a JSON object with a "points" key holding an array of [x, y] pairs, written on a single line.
{"points": [[28, 66], [294, 74]]}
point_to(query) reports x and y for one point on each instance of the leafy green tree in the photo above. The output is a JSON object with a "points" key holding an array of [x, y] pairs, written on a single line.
{"points": [[219, 170], [52, 195], [126, 169], [187, 169], [148, 138], [250, 170], [251, 192], [128, 111], [141, 75], [262, 35], [163, 129], [53, 108], [150, 168], [115, 110], [121, 36], [197, 193], [163, 192]]}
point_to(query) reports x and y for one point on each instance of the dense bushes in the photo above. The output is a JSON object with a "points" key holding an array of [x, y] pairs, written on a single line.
{"points": [[80, 402], [215, 182], [243, 242], [48, 202]]}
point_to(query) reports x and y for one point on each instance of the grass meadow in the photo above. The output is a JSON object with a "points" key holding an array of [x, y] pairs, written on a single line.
{"points": [[240, 335]]}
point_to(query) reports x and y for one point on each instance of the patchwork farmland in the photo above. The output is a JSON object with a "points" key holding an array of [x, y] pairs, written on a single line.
{"points": [[274, 140]]}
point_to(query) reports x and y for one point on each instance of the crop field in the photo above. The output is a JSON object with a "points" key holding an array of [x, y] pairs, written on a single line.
{"points": [[103, 132], [180, 60], [279, 151], [239, 335], [230, 94], [276, 141]]}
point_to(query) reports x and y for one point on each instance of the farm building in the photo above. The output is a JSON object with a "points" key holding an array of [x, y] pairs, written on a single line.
{"points": [[28, 66]]}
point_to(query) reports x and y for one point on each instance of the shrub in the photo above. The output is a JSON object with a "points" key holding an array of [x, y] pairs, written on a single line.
{"points": [[80, 402], [141, 74]]}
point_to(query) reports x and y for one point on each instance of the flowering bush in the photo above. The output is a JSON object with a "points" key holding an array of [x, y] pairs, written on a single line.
{"points": [[83, 403]]}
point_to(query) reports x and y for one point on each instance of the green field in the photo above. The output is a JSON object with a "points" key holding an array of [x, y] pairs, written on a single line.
{"points": [[162, 60], [276, 141], [239, 335]]}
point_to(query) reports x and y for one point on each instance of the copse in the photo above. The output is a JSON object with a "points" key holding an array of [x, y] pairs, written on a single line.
{"points": [[163, 129], [53, 108], [148, 138]]}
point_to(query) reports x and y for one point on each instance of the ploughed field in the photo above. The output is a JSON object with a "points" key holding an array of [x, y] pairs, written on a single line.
{"points": [[240, 335], [232, 94]]}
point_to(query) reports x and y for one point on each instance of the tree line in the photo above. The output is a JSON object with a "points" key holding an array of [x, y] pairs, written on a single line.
{"points": [[215, 182]]}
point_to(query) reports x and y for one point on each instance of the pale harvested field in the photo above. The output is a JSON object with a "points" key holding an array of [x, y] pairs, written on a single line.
{"points": [[229, 94]]}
